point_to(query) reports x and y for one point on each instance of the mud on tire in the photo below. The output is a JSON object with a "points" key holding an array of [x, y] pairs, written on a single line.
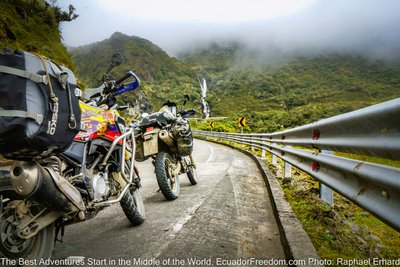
{"points": [[192, 175], [132, 205]]}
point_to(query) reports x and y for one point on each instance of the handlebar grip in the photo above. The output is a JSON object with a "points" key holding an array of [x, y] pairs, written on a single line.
{"points": [[188, 113], [128, 87]]}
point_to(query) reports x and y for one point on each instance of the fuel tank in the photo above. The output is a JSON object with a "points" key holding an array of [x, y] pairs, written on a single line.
{"points": [[97, 122]]}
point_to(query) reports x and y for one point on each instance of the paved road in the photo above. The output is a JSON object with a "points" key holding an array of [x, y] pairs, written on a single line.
{"points": [[226, 216]]}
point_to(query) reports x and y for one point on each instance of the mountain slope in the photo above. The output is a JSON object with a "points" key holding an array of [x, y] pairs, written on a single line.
{"points": [[163, 77], [32, 26], [244, 82], [293, 92]]}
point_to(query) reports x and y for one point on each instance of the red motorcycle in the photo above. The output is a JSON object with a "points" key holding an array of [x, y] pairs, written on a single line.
{"points": [[49, 188]]}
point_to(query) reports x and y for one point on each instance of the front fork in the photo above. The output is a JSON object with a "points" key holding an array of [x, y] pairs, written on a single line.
{"points": [[187, 162]]}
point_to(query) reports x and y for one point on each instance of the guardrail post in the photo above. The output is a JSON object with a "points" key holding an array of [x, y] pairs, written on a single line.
{"points": [[274, 159], [326, 193], [251, 141], [287, 168], [263, 153], [262, 150], [241, 131]]}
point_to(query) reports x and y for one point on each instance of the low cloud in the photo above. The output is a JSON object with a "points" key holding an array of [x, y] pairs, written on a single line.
{"points": [[369, 28]]}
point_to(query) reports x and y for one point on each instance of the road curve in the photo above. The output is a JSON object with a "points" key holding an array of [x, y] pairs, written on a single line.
{"points": [[226, 216]]}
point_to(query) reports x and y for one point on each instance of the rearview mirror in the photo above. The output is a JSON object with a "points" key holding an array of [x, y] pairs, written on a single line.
{"points": [[116, 59]]}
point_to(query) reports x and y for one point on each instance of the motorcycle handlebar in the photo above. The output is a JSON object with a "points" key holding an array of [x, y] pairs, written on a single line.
{"points": [[188, 113], [125, 87], [126, 76]]}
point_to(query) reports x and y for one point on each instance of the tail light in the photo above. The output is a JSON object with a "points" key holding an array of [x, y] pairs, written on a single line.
{"points": [[148, 135]]}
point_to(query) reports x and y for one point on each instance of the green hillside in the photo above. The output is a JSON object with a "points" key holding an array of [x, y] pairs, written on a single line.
{"points": [[284, 95], [33, 26], [163, 77], [242, 81], [272, 95]]}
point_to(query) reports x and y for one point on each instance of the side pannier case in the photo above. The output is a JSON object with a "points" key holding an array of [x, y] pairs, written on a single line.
{"points": [[39, 112], [183, 135]]}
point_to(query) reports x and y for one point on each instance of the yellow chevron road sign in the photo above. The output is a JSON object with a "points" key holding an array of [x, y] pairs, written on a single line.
{"points": [[242, 122]]}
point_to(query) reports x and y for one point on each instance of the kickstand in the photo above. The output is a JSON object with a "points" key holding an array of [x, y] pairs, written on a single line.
{"points": [[60, 230]]}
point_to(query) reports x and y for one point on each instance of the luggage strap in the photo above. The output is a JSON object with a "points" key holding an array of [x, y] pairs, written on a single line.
{"points": [[22, 114], [24, 74], [63, 79], [62, 75]]}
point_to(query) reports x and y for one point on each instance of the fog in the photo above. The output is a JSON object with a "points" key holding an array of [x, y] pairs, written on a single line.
{"points": [[364, 27]]}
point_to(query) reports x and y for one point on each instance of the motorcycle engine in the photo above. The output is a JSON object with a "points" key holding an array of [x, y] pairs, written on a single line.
{"points": [[100, 185]]}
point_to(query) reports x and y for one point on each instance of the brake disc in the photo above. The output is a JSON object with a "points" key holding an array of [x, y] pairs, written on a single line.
{"points": [[11, 245]]}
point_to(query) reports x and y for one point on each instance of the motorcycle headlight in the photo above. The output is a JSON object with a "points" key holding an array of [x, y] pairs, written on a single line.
{"points": [[122, 128]]}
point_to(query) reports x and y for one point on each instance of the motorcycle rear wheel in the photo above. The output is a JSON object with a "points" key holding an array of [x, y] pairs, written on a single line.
{"points": [[169, 185], [133, 207], [38, 247]]}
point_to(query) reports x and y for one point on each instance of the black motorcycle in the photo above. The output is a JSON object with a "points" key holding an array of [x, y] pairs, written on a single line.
{"points": [[47, 187]]}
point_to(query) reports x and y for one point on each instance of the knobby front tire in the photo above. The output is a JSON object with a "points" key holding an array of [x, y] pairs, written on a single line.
{"points": [[169, 185]]}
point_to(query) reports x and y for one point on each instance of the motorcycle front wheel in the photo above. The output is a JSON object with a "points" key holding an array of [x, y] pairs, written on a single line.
{"points": [[11, 246], [192, 175], [192, 172], [168, 183], [133, 207]]}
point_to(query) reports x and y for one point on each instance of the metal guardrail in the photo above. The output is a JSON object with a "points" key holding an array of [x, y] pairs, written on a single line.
{"points": [[373, 131]]}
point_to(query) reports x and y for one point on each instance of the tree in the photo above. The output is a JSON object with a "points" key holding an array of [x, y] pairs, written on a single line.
{"points": [[63, 15]]}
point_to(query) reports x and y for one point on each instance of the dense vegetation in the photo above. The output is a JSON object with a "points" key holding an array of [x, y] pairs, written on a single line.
{"points": [[163, 77], [243, 82], [292, 92], [273, 94], [34, 26]]}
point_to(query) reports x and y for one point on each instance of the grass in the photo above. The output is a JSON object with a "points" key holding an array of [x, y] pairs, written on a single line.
{"points": [[388, 162], [31, 26]]}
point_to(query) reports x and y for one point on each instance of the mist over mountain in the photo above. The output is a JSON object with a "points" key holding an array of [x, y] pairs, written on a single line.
{"points": [[368, 29]]}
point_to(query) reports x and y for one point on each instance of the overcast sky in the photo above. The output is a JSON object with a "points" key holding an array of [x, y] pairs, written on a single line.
{"points": [[371, 27]]}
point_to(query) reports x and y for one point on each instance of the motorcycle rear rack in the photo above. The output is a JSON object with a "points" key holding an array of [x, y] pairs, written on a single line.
{"points": [[128, 177]]}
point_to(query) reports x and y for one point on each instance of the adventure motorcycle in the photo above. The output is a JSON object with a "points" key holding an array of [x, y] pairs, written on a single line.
{"points": [[166, 137], [49, 190]]}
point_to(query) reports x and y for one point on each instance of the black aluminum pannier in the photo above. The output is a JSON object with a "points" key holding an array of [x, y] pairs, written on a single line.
{"points": [[39, 111]]}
